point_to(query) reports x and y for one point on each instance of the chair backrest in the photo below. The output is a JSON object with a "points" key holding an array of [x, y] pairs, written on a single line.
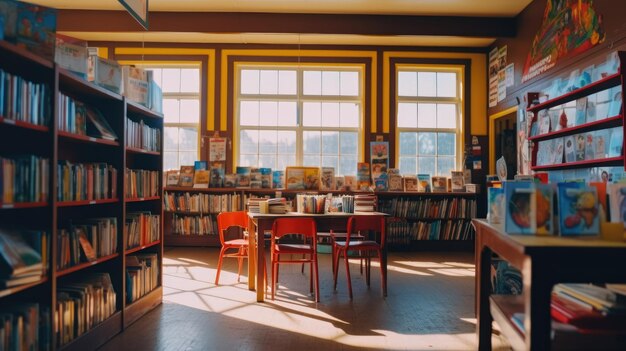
{"points": [[364, 224], [304, 226], [229, 219]]}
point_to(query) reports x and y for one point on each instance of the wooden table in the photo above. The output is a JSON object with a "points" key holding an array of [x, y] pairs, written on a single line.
{"points": [[260, 223], [543, 261]]}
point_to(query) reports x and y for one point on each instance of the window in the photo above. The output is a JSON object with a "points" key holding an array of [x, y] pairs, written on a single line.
{"points": [[299, 117], [428, 120], [181, 109]]}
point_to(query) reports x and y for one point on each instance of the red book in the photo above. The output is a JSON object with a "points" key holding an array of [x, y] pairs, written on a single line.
{"points": [[565, 311]]}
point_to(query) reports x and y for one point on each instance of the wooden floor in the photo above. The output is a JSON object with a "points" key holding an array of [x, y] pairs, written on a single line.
{"points": [[430, 306]]}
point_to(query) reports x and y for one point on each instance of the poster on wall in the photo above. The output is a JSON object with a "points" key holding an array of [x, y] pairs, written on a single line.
{"points": [[379, 158], [497, 81], [217, 149], [569, 28]]}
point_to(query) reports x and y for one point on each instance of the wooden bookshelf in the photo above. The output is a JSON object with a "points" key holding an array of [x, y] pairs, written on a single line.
{"points": [[18, 205], [19, 288], [142, 247], [86, 202], [24, 125], [135, 150], [81, 266], [141, 199], [86, 138]]}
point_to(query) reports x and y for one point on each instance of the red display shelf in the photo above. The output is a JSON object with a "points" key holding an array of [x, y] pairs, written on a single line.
{"points": [[602, 84], [24, 125], [85, 202], [16, 289], [139, 199], [87, 139], [23, 205], [139, 248], [142, 151], [209, 190], [191, 213], [611, 122], [81, 266], [611, 161]]}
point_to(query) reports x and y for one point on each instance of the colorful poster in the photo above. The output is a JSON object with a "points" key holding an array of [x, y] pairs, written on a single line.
{"points": [[569, 28], [217, 149], [379, 158]]}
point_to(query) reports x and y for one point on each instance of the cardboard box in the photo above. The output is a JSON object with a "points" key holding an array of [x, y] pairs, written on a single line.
{"points": [[36, 29], [105, 73], [72, 54], [135, 84]]}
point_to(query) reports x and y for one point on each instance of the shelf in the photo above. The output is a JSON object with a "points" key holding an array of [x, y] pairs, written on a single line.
{"points": [[85, 202], [135, 150], [84, 265], [86, 139], [21, 54], [24, 125], [19, 205], [433, 245], [602, 84], [611, 122], [428, 219], [16, 289], [502, 309], [139, 248], [191, 213], [140, 199], [144, 111], [98, 335], [143, 305], [70, 81], [202, 190], [605, 162], [294, 192], [192, 240]]}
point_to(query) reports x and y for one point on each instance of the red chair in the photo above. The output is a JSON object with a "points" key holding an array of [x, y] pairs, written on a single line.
{"points": [[226, 220], [363, 249], [306, 250]]}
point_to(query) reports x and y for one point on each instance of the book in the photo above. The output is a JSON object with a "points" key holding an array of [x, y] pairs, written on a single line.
{"points": [[590, 149], [36, 29], [580, 147], [349, 183], [171, 178], [495, 205], [544, 122], [616, 142], [520, 211], [186, 176], [543, 216], [578, 209], [570, 148], [602, 299], [230, 180], [440, 184], [217, 174], [201, 178], [199, 165], [71, 54], [17, 257], [363, 176], [340, 183], [423, 183], [615, 105], [395, 182], [382, 182], [591, 111], [243, 176], [600, 144], [105, 73], [410, 182], [97, 125], [581, 111], [567, 309], [294, 178], [328, 178], [86, 249], [135, 84], [458, 181], [617, 202], [557, 151], [278, 179], [266, 177]]}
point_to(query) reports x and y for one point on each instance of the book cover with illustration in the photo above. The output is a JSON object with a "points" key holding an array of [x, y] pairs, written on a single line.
{"points": [[266, 177], [543, 196], [520, 211], [581, 111], [382, 182], [410, 182], [349, 183], [243, 176], [230, 180], [278, 179], [186, 175], [172, 178], [495, 205], [600, 143], [363, 176], [617, 202], [591, 111], [590, 148], [578, 209], [199, 165], [616, 142], [440, 184], [423, 183], [615, 105], [294, 178], [544, 122], [570, 148], [395, 182], [217, 174], [201, 178], [580, 147], [328, 178], [340, 183], [557, 151], [457, 181], [379, 158], [311, 178]]}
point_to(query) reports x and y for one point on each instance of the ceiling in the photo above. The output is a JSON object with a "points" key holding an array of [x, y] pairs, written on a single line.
{"points": [[463, 8]]}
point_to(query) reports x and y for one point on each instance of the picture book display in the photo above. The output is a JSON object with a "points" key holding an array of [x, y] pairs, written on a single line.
{"points": [[278, 179], [266, 177], [363, 177], [423, 183], [243, 177], [382, 182], [217, 174], [495, 205], [302, 178], [615, 105], [97, 125], [172, 178], [457, 181], [186, 176], [440, 184], [349, 183], [520, 208], [395, 182], [578, 209], [327, 181], [379, 158], [617, 202], [410, 183]]}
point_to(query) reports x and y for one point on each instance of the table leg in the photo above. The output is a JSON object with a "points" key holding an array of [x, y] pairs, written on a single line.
{"points": [[384, 265], [537, 291], [483, 318], [252, 229], [260, 266]]}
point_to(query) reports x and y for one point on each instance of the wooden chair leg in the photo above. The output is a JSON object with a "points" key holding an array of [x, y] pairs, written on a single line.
{"points": [[317, 280], [348, 273], [240, 264], [383, 276], [310, 277], [336, 265], [274, 275], [219, 266], [368, 272]]}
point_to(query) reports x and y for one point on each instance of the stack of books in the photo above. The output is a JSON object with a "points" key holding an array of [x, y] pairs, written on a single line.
{"points": [[365, 203], [277, 205], [254, 205], [22, 262]]}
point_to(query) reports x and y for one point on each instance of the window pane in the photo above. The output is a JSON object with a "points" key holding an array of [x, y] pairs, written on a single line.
{"points": [[269, 82], [330, 161], [330, 114], [249, 113], [248, 160], [445, 165], [408, 144], [347, 165], [188, 139], [311, 142], [171, 112], [268, 113], [189, 111], [311, 160], [267, 142], [312, 84], [330, 143], [249, 81], [407, 115], [349, 115], [407, 83], [285, 161], [268, 161], [249, 141], [408, 165], [348, 142], [426, 165], [287, 82], [170, 139], [446, 116], [170, 160], [427, 115], [286, 142], [190, 80], [330, 83], [349, 84], [157, 76], [446, 84], [426, 144], [311, 114], [287, 114], [188, 158], [171, 80], [446, 144], [427, 84]]}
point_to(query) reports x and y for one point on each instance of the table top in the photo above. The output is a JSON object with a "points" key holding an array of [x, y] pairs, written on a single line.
{"points": [[315, 215]]}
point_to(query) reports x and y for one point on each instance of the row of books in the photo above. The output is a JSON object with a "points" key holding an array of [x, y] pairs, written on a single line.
{"points": [[423, 208], [202, 203], [365, 203], [343, 203], [82, 119], [141, 183], [83, 305], [141, 136], [86, 241], [194, 225], [86, 181], [141, 228], [142, 275], [25, 326], [310, 203], [24, 100], [23, 256], [402, 232], [580, 147], [277, 205], [24, 179]]}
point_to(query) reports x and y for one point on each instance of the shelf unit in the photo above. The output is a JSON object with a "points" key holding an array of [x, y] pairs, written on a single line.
{"points": [[23, 138], [384, 199], [605, 123]]}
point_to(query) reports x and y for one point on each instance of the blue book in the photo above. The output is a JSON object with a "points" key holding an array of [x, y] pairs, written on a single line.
{"points": [[519, 208], [578, 209], [278, 179], [200, 165]]}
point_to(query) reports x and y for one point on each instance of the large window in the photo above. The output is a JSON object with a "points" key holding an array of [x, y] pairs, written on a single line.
{"points": [[428, 120], [181, 109], [291, 116]]}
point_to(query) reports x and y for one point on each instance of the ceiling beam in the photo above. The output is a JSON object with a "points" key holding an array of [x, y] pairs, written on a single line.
{"points": [[230, 22]]}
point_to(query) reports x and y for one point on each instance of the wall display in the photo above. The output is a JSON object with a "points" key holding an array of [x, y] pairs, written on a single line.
{"points": [[217, 149], [379, 158]]}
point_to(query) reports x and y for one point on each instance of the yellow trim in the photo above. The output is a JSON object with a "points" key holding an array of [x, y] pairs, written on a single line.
{"points": [[295, 53], [492, 141], [478, 86], [103, 52], [210, 87]]}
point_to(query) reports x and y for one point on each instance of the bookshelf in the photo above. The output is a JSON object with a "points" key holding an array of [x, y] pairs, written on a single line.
{"points": [[451, 213], [99, 162], [595, 139]]}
